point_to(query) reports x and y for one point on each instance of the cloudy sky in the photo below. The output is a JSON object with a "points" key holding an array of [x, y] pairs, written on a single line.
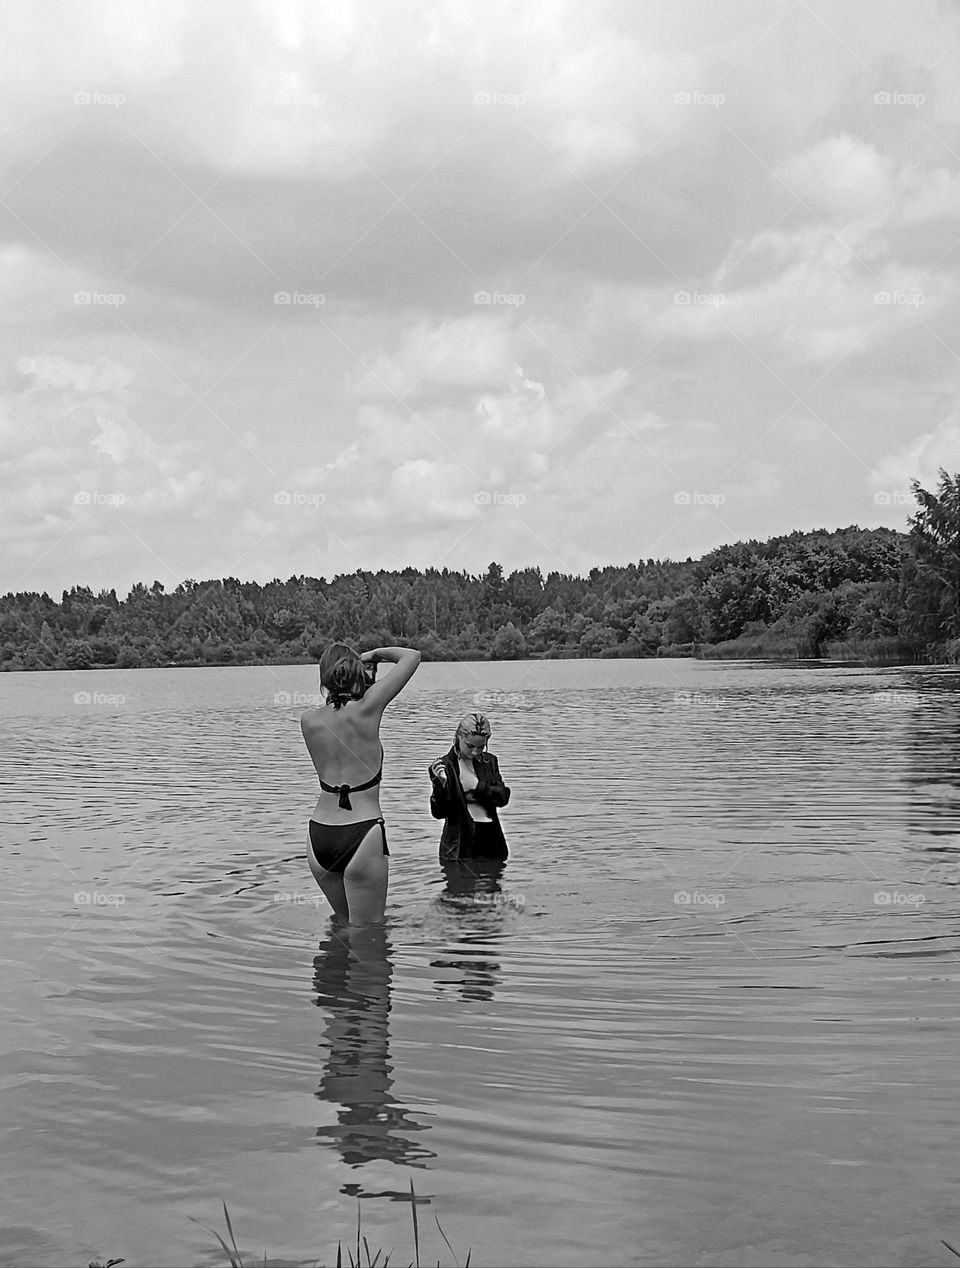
{"points": [[294, 287]]}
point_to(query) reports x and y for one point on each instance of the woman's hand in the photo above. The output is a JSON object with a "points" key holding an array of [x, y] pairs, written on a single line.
{"points": [[439, 772], [405, 661]]}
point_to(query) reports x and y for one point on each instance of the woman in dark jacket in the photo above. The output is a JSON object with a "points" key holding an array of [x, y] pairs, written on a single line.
{"points": [[467, 792]]}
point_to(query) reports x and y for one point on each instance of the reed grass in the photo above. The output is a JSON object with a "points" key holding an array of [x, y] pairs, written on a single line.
{"points": [[358, 1253], [355, 1260]]}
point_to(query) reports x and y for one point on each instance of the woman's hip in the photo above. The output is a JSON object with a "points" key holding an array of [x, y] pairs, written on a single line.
{"points": [[485, 841], [333, 845]]}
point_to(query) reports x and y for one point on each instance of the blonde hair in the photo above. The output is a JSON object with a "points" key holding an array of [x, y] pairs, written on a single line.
{"points": [[473, 724]]}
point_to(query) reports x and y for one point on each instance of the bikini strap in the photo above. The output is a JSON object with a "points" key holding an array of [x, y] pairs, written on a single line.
{"points": [[344, 790]]}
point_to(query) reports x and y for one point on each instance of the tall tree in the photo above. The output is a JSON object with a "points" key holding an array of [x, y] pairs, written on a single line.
{"points": [[931, 574]]}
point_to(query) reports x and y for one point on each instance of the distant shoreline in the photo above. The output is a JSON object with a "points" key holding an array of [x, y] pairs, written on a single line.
{"points": [[848, 596], [851, 662]]}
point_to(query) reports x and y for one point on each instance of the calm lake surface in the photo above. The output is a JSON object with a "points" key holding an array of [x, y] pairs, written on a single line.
{"points": [[706, 1014]]}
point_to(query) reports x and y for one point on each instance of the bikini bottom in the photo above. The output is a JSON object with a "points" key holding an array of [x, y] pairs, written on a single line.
{"points": [[335, 844]]}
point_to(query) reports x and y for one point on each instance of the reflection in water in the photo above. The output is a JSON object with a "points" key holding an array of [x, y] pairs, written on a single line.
{"points": [[352, 979], [932, 739], [705, 1079], [472, 890]]}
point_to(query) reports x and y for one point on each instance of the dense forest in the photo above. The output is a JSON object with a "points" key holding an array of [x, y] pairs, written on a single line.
{"points": [[874, 594]]}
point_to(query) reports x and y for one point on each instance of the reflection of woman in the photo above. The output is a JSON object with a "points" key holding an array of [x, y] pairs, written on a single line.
{"points": [[472, 897], [348, 853], [467, 792], [352, 982], [474, 884]]}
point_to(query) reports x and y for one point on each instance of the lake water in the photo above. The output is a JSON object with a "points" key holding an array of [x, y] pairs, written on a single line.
{"points": [[707, 1014]]}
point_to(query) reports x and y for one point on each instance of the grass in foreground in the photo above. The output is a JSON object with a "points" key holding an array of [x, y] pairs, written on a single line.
{"points": [[358, 1255], [354, 1257]]}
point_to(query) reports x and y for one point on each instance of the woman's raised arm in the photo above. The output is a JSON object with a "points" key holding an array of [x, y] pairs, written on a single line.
{"points": [[406, 659]]}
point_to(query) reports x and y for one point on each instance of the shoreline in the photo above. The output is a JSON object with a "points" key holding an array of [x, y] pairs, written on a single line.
{"points": [[861, 662]]}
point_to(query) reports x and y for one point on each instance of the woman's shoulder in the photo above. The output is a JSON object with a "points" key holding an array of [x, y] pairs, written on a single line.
{"points": [[314, 718], [348, 723]]}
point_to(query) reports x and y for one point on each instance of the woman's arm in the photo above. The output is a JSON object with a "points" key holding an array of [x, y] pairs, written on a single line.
{"points": [[494, 791], [440, 790], [406, 659]]}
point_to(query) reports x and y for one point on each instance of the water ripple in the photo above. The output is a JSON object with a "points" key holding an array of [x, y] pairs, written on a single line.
{"points": [[721, 961]]}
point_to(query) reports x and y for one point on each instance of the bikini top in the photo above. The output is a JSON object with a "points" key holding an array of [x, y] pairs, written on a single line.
{"points": [[344, 790]]}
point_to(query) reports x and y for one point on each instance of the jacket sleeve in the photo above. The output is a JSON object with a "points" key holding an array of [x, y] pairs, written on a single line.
{"points": [[493, 792], [440, 798]]}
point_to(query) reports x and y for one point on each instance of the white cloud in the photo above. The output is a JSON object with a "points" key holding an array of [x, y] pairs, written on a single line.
{"points": [[465, 354], [920, 459], [595, 396], [931, 196], [51, 371], [842, 175]]}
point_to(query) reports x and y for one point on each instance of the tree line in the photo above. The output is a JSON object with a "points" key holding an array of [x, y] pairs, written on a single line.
{"points": [[875, 594]]}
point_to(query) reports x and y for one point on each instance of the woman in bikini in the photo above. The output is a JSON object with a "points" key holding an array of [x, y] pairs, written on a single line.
{"points": [[348, 853]]}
